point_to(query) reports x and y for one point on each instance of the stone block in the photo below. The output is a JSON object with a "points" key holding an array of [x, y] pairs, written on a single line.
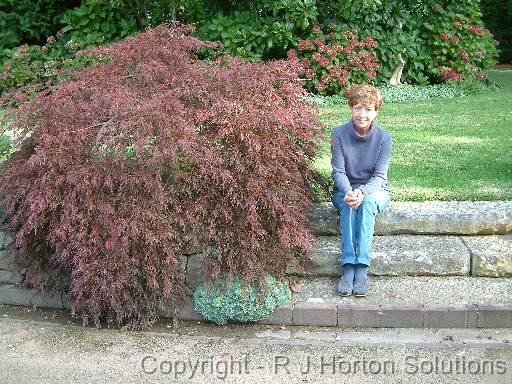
{"points": [[324, 259], [6, 238], [282, 315], [9, 294], [358, 315], [419, 255], [430, 217], [7, 260], [445, 316], [401, 316], [323, 220], [3, 216], [10, 277], [66, 301], [315, 314], [183, 260], [195, 267], [492, 255], [494, 316], [185, 312], [193, 246], [400, 255]]}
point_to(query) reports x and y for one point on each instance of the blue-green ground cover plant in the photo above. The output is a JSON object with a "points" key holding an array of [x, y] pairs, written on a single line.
{"points": [[223, 300]]}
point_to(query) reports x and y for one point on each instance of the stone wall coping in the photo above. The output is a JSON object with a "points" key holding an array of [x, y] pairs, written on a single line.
{"points": [[428, 217]]}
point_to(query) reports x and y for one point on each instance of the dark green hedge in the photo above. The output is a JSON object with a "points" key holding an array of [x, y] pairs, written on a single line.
{"points": [[497, 16], [30, 21]]}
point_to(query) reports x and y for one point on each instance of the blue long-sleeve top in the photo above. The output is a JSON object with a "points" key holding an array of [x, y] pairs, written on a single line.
{"points": [[360, 161]]}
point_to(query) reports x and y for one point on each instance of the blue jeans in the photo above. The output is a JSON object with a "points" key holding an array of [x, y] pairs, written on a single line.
{"points": [[357, 225]]}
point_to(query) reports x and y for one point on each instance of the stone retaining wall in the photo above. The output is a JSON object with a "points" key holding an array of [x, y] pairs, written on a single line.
{"points": [[392, 255], [488, 256], [12, 276]]}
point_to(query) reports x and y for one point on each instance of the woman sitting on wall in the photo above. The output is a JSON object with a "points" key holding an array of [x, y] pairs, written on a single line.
{"points": [[360, 153]]}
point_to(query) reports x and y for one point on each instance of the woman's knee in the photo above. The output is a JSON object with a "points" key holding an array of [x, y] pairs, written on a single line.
{"points": [[369, 205], [376, 202]]}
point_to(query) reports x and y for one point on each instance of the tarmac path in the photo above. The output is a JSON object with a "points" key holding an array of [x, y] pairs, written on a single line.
{"points": [[45, 346]]}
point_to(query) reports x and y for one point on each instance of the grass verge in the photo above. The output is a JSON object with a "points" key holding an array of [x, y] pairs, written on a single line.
{"points": [[443, 149]]}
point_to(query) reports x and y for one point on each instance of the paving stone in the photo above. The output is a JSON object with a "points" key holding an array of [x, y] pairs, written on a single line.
{"points": [[401, 316], [431, 217], [358, 315], [445, 316], [472, 319], [316, 314], [495, 316], [491, 255]]}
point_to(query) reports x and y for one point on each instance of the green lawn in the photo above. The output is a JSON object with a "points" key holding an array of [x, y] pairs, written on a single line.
{"points": [[444, 149]]}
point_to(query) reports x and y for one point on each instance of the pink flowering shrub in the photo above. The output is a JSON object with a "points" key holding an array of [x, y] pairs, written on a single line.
{"points": [[458, 45], [334, 57]]}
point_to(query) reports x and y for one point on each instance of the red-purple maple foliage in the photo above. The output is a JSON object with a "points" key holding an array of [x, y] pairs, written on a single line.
{"points": [[124, 167]]}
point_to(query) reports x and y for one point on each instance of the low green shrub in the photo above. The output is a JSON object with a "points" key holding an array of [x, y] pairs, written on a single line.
{"points": [[33, 68], [408, 92], [223, 300], [263, 30], [29, 22], [6, 147], [448, 90]]}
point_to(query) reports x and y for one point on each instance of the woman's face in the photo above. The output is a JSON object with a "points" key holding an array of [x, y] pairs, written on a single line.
{"points": [[363, 115]]}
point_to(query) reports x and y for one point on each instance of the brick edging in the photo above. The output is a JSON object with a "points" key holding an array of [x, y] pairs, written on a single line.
{"points": [[343, 315], [349, 315]]}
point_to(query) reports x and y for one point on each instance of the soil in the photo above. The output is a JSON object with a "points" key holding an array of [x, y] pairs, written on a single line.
{"points": [[503, 66]]}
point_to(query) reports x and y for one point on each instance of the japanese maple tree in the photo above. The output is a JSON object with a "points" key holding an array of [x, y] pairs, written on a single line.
{"points": [[135, 159]]}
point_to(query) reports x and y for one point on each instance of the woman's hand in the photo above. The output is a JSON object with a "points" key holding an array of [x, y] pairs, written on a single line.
{"points": [[354, 198]]}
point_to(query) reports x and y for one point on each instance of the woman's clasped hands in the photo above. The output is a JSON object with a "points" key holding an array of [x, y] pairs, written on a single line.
{"points": [[354, 198]]}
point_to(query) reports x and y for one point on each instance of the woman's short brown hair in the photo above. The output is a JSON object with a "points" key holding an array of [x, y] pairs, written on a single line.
{"points": [[365, 94]]}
